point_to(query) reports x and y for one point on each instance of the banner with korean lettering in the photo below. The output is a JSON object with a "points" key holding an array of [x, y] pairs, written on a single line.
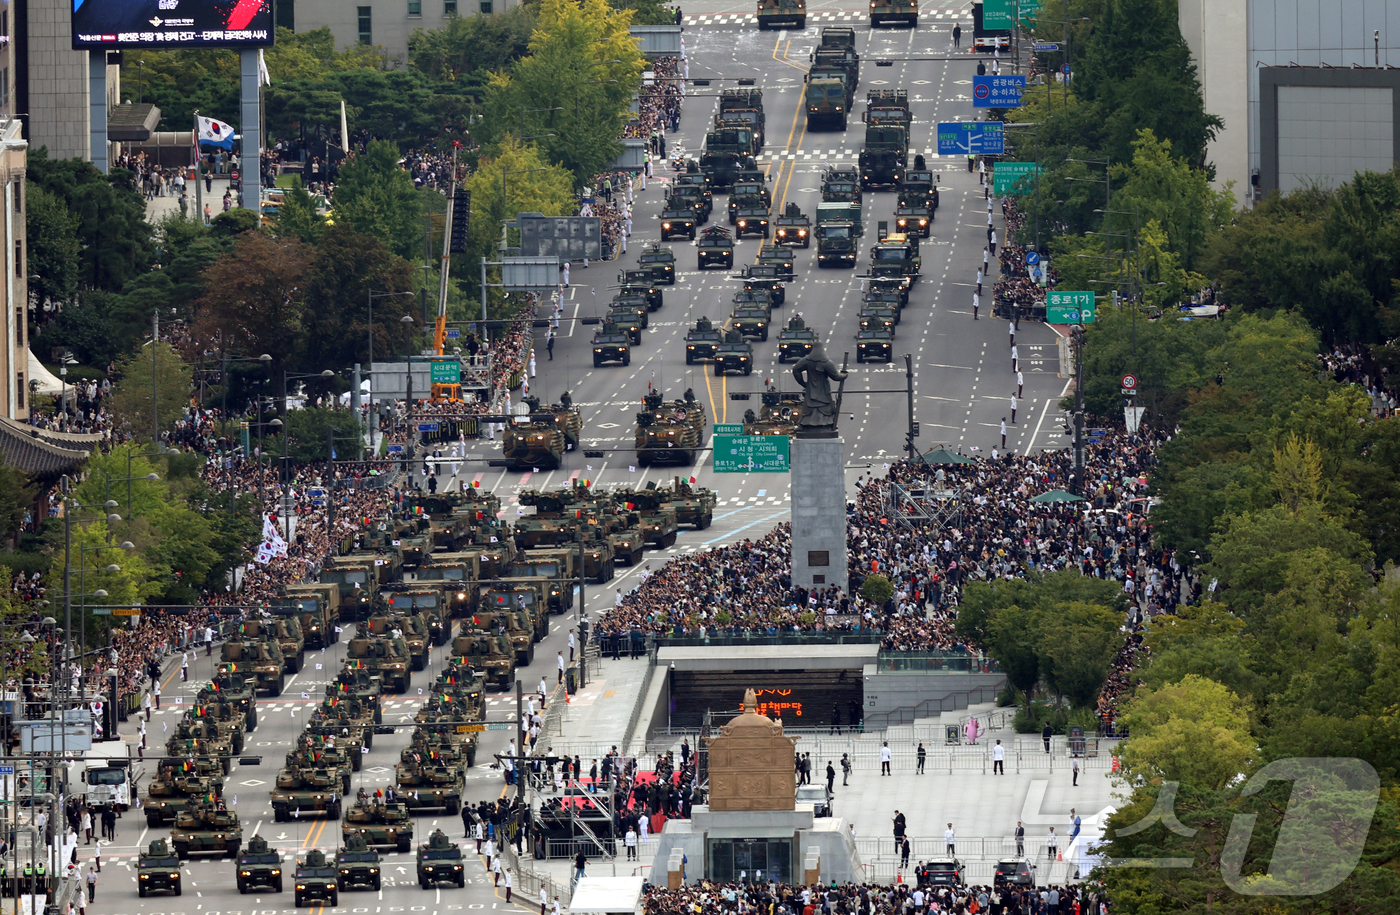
{"points": [[997, 91]]}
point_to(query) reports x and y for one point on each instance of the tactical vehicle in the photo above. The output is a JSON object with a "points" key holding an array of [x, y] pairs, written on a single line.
{"points": [[914, 219], [751, 319], [506, 611], [527, 444], [842, 59], [777, 416], [426, 783], [768, 278], [489, 652], [677, 220], [836, 244], [828, 96], [638, 282], [158, 871], [384, 657], [440, 861], [316, 879], [357, 865], [888, 285], [841, 185], [887, 125], [919, 184], [307, 790], [260, 657], [874, 345], [692, 177], [751, 218], [693, 505], [781, 260], [336, 755], [320, 621], [357, 576], [742, 98], [226, 718], [886, 298], [671, 431], [556, 564], [341, 725], [175, 785], [258, 866], [659, 523], [358, 684], [382, 823], [203, 827], [716, 247], [878, 317], [794, 229], [751, 119], [661, 262], [795, 340], [631, 317], [701, 341], [286, 630], [838, 36], [721, 162], [695, 199], [903, 12], [207, 737], [734, 356], [611, 344], [231, 686], [458, 573], [896, 255], [784, 14], [563, 416]]}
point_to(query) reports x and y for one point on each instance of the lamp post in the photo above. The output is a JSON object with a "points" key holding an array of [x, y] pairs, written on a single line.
{"points": [[70, 505], [125, 545], [266, 361]]}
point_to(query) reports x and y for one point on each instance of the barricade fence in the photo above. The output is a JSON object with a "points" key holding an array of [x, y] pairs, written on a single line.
{"points": [[967, 848], [528, 881]]}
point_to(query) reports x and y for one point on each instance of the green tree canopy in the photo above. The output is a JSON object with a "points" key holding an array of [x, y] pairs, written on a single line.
{"points": [[1171, 726], [376, 197], [132, 396]]}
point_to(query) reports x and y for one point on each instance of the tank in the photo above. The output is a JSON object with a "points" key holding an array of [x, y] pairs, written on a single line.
{"points": [[440, 861], [381, 823], [410, 627], [316, 879], [158, 871], [778, 415], [670, 431], [355, 683], [659, 522], [203, 739], [175, 783], [227, 717], [427, 782], [302, 790], [286, 630], [357, 865], [258, 657], [206, 828], [232, 687], [259, 866], [693, 505]]}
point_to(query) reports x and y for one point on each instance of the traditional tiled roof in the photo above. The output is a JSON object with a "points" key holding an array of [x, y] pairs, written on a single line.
{"points": [[43, 451]]}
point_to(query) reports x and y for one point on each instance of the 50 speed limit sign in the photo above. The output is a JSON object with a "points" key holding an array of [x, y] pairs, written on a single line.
{"points": [[1130, 384]]}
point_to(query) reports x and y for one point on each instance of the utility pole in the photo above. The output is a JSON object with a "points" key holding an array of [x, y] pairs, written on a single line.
{"points": [[909, 388], [155, 402]]}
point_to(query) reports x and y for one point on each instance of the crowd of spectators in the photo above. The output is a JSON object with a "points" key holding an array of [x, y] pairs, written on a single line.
{"points": [[1353, 364], [755, 893], [1016, 294]]}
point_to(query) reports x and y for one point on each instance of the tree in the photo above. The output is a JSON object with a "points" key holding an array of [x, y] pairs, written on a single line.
{"points": [[307, 434], [376, 197], [297, 217], [132, 396], [1172, 725], [876, 589], [16, 497], [346, 267], [472, 44], [1078, 642], [1012, 639], [53, 254], [533, 186]]}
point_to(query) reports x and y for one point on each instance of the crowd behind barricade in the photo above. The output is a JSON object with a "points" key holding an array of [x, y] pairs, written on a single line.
{"points": [[1016, 294], [754, 894]]}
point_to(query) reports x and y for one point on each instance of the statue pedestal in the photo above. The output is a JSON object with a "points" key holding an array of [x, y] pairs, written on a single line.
{"points": [[818, 512]]}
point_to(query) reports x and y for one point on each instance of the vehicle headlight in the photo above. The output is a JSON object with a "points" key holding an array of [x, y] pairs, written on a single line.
{"points": [[145, 876], [665, 225], [245, 874], [277, 872]]}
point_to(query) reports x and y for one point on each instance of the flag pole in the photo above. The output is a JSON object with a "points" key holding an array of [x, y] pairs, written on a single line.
{"points": [[198, 188]]}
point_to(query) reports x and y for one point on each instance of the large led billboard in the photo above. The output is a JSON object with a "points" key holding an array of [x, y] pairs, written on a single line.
{"points": [[117, 24]]}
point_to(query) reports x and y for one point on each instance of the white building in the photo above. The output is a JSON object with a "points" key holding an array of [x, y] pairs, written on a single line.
{"points": [[386, 23]]}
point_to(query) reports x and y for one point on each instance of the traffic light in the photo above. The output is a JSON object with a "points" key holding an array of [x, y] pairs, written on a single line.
{"points": [[461, 220]]}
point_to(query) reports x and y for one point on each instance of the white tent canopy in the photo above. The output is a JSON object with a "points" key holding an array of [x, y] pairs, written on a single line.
{"points": [[49, 383]]}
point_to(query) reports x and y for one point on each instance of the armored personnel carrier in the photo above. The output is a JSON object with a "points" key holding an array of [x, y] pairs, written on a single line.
{"points": [[357, 865], [206, 828], [440, 861], [670, 431], [659, 523], [175, 784], [158, 871], [316, 879], [735, 354], [259, 657], [232, 687], [528, 443], [693, 505], [701, 341], [380, 822], [258, 866], [778, 416], [286, 631], [307, 790], [385, 657]]}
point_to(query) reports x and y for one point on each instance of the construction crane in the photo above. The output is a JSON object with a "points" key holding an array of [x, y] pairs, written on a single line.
{"points": [[449, 392]]}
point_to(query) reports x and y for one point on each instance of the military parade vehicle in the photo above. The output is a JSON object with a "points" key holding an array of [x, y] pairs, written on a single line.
{"points": [[735, 354], [878, 317], [341, 756], [784, 14], [795, 340], [205, 739], [362, 687], [232, 687], [259, 657], [778, 414], [226, 717], [426, 783], [751, 119], [794, 229], [381, 823], [751, 316], [692, 505], [357, 865], [781, 260], [258, 867], [880, 286], [693, 197], [611, 344], [919, 184], [504, 610], [440, 861], [887, 125], [894, 300], [336, 729], [357, 576], [914, 218], [631, 317], [744, 98], [384, 657], [659, 523], [177, 782], [458, 573], [158, 871], [836, 244], [716, 248], [841, 185], [829, 94], [529, 443], [203, 828], [771, 278], [557, 564], [301, 791], [751, 218], [489, 652], [316, 879], [903, 12], [692, 177], [748, 185], [896, 256], [677, 219], [874, 344], [286, 630], [638, 282], [318, 607], [701, 341], [661, 262], [670, 431], [728, 153]]}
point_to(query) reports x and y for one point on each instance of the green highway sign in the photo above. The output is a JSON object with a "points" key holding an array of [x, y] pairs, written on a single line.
{"points": [[1013, 177], [1069, 307], [751, 453], [446, 371], [101, 611], [1001, 14], [729, 429]]}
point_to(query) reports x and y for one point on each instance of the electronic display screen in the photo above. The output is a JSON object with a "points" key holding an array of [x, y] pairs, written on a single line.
{"points": [[118, 24]]}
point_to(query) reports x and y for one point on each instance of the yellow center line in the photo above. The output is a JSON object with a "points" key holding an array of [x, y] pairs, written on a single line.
{"points": [[709, 392]]}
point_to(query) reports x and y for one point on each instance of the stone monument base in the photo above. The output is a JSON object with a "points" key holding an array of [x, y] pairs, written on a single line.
{"points": [[818, 512]]}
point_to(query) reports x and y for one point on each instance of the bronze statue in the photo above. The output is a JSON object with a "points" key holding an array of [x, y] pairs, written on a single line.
{"points": [[815, 372]]}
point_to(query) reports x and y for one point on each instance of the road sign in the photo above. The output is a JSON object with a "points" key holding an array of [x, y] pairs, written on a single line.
{"points": [[1001, 14], [7, 770], [1013, 178], [752, 454], [1047, 46], [454, 333], [445, 371], [126, 611], [970, 138], [500, 725], [470, 728], [1129, 382], [1064, 68], [997, 91], [396, 449], [1032, 257], [101, 611], [1069, 307], [427, 427], [729, 429]]}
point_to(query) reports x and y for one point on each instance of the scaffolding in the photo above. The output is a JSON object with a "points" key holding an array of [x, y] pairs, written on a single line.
{"points": [[933, 503]]}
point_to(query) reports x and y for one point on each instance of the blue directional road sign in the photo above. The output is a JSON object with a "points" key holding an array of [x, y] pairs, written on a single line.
{"points": [[967, 138], [7, 770], [1032, 257], [396, 449], [1047, 46], [997, 91], [427, 427], [454, 333]]}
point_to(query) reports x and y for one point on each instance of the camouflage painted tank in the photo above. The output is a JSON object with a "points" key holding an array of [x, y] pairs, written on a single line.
{"points": [[233, 687], [693, 505], [301, 790], [670, 431], [488, 652], [381, 823], [206, 828], [257, 657], [175, 784]]}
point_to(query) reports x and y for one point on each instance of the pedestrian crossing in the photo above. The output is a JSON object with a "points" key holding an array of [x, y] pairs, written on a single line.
{"points": [[817, 17]]}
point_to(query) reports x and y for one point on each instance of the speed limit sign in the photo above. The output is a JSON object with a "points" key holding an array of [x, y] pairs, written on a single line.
{"points": [[1129, 384]]}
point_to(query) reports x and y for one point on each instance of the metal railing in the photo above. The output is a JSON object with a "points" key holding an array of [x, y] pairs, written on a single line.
{"points": [[728, 638], [934, 662], [528, 881], [636, 715]]}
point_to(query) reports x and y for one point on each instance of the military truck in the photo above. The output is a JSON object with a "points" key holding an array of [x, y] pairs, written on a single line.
{"points": [[751, 317], [317, 607], [677, 220], [744, 98], [158, 871], [381, 823], [778, 414], [794, 229], [694, 198], [728, 153], [458, 573], [661, 262], [692, 177], [751, 119], [426, 783], [307, 790], [357, 865], [488, 652], [701, 341], [384, 657], [259, 866], [885, 298], [828, 95], [896, 256], [716, 247], [887, 125], [751, 218], [781, 260], [767, 278], [902, 12], [843, 58], [205, 828], [841, 185], [914, 218], [260, 658], [286, 630], [232, 687], [611, 344], [782, 14], [874, 344], [638, 282], [527, 443], [836, 244], [631, 316], [422, 605], [440, 861], [749, 184], [670, 431], [693, 505], [735, 354], [919, 183], [316, 879], [176, 783], [795, 340]]}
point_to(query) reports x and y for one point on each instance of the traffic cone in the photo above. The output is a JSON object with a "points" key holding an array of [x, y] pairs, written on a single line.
{"points": [[898, 877], [1115, 762], [1059, 856]]}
